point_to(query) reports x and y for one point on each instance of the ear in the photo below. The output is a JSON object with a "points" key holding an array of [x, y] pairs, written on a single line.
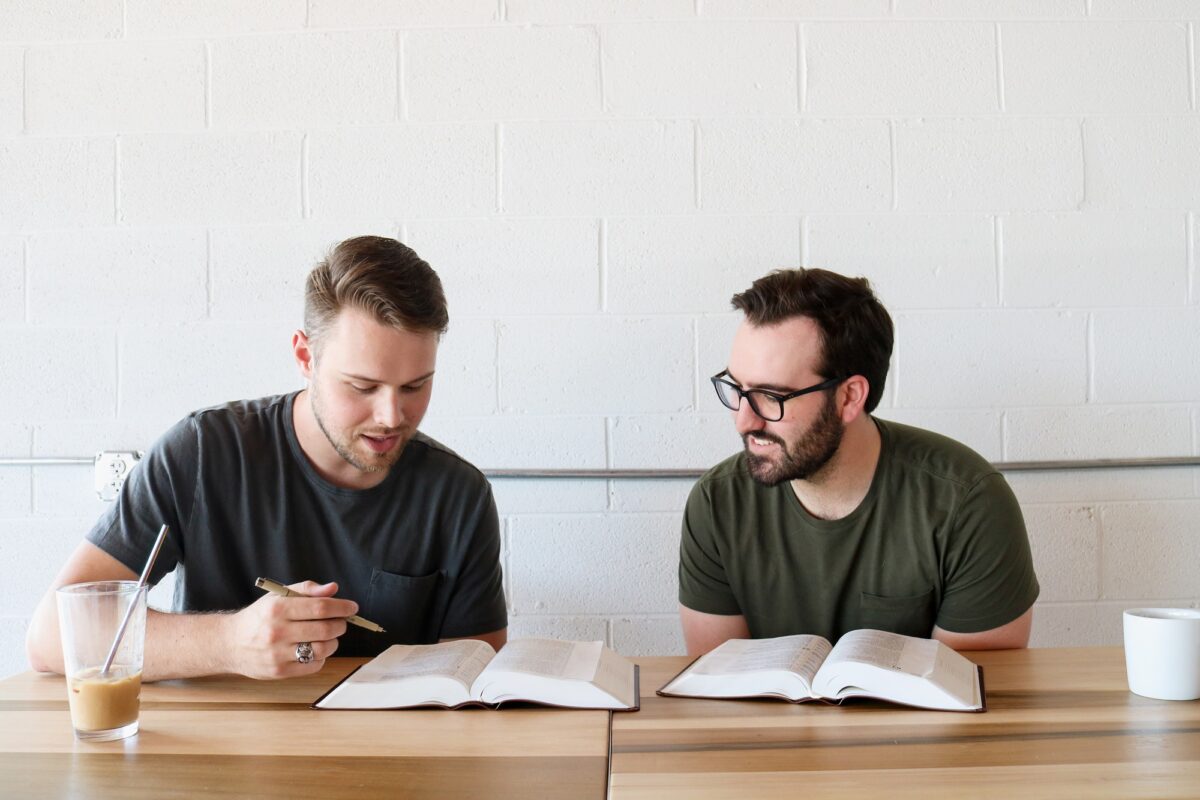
{"points": [[303, 352], [853, 395]]}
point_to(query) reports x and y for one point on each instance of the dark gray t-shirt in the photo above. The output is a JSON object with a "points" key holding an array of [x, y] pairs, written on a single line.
{"points": [[419, 553]]}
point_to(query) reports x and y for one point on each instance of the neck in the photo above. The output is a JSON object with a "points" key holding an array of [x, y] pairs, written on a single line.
{"points": [[316, 447], [841, 485]]}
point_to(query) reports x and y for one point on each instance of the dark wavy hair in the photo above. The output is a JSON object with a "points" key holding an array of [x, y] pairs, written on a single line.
{"points": [[856, 330], [379, 276]]}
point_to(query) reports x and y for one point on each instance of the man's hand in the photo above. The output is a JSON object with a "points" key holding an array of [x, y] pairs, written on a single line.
{"points": [[263, 636]]}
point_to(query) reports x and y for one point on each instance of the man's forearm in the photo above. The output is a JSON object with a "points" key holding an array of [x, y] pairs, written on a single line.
{"points": [[177, 645], [185, 645]]}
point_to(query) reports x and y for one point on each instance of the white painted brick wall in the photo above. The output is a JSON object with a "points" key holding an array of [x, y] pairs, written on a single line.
{"points": [[56, 183], [597, 168], [1142, 162], [419, 170], [154, 18], [1145, 9], [1158, 540], [596, 10], [603, 365], [1095, 259], [900, 68], [593, 179], [502, 73], [215, 178], [320, 80], [1127, 370], [257, 273], [389, 13], [914, 261], [112, 87], [12, 278], [720, 255], [588, 564], [1097, 432], [1096, 67], [169, 370], [494, 267], [65, 373], [1043, 361], [43, 20], [1066, 542], [1009, 164], [793, 9], [990, 9], [700, 68], [112, 275], [12, 89], [792, 165]]}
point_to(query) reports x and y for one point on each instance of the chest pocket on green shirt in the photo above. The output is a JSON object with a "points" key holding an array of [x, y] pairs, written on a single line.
{"points": [[401, 604], [913, 615]]}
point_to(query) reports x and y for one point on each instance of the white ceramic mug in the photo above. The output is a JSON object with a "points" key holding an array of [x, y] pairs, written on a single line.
{"points": [[1162, 652]]}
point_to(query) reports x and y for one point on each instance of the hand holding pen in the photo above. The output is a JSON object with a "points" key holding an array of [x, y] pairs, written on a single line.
{"points": [[285, 636]]}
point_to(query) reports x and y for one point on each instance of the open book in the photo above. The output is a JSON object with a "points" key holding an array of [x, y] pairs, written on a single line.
{"points": [[885, 666], [470, 672]]}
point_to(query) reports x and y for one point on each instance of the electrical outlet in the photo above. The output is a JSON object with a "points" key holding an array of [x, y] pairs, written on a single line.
{"points": [[111, 468]]}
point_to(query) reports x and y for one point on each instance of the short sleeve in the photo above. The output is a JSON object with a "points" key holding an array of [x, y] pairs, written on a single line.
{"points": [[703, 583], [476, 604], [989, 575], [159, 490]]}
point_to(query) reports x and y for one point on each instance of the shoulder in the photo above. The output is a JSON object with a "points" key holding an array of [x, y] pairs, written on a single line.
{"points": [[241, 416], [729, 477], [438, 461], [937, 457]]}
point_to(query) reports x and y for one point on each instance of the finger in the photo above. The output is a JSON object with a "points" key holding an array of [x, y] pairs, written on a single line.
{"points": [[319, 608], [314, 630], [314, 589]]}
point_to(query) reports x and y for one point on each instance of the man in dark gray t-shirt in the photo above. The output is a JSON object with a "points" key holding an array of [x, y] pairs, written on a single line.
{"points": [[331, 490]]}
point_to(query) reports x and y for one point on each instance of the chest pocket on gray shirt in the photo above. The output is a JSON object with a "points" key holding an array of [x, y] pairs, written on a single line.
{"points": [[912, 615], [401, 604]]}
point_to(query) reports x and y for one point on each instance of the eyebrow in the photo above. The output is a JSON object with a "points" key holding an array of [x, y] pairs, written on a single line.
{"points": [[770, 387], [367, 379]]}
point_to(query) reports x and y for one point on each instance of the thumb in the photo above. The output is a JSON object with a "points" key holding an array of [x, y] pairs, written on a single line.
{"points": [[314, 589]]}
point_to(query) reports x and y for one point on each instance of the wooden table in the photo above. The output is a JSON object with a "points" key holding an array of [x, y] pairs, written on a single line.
{"points": [[1060, 723], [234, 737]]}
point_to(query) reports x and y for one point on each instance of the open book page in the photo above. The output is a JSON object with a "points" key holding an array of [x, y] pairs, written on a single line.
{"points": [[406, 675], [906, 669], [784, 666], [578, 674]]}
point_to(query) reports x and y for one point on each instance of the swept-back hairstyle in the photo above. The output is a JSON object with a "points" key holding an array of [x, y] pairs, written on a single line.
{"points": [[856, 330], [377, 275]]}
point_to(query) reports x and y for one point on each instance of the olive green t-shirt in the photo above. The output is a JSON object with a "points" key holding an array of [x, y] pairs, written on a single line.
{"points": [[939, 539]]}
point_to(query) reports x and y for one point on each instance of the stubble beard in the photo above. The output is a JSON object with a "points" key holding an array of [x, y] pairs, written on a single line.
{"points": [[379, 462], [805, 458]]}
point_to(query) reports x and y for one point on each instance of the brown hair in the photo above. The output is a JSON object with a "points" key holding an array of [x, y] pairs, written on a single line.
{"points": [[856, 330], [380, 276]]}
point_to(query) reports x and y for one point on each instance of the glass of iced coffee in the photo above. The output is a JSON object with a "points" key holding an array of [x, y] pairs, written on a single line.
{"points": [[104, 703]]}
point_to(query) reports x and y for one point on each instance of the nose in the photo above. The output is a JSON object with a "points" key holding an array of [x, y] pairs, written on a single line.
{"points": [[745, 420], [388, 411]]}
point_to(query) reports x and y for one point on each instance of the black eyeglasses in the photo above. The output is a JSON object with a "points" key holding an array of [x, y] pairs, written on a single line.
{"points": [[767, 405]]}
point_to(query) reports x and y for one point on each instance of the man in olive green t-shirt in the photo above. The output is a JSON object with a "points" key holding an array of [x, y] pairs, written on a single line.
{"points": [[831, 520]]}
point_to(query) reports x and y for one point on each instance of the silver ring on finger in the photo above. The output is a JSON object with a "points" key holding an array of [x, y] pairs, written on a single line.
{"points": [[304, 652]]}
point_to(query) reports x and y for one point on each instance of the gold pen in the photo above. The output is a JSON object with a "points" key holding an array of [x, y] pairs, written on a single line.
{"points": [[275, 587]]}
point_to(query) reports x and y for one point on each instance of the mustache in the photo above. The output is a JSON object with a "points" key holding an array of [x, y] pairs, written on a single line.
{"points": [[763, 435]]}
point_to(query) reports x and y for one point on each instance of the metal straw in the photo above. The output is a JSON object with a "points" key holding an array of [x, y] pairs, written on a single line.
{"points": [[141, 584]]}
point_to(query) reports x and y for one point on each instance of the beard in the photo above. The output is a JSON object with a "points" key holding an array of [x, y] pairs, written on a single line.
{"points": [[803, 458], [344, 443]]}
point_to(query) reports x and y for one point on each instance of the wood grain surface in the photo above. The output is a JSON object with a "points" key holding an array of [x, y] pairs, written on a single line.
{"points": [[234, 737], [1060, 723]]}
